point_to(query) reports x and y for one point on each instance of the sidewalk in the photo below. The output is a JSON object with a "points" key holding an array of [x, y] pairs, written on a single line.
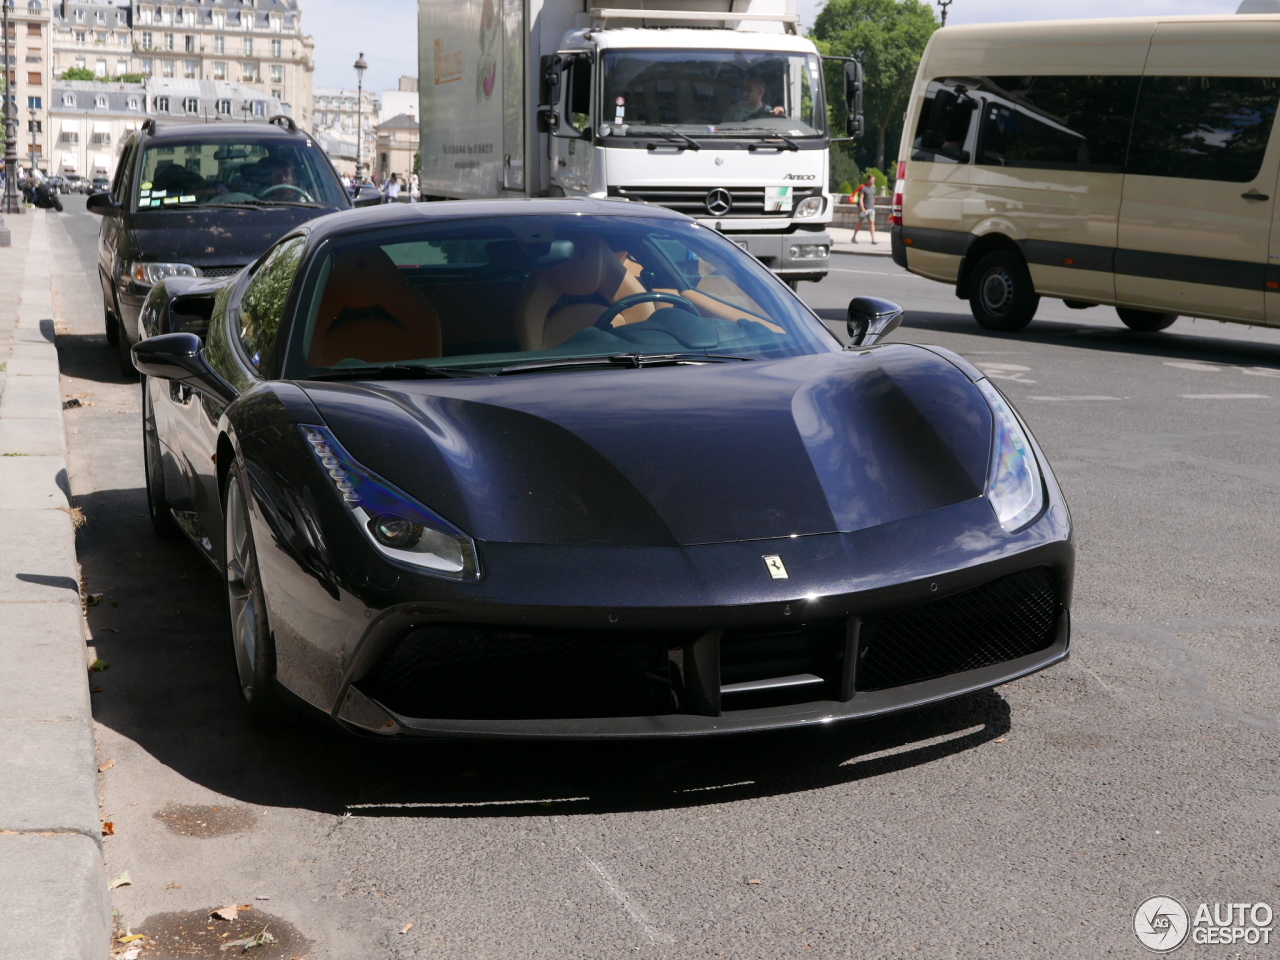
{"points": [[53, 890], [842, 242]]}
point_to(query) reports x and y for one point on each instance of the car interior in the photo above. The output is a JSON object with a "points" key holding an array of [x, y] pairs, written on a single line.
{"points": [[585, 292]]}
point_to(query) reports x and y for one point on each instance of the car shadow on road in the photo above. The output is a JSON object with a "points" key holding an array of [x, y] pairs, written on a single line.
{"points": [[170, 688], [88, 357], [1173, 343]]}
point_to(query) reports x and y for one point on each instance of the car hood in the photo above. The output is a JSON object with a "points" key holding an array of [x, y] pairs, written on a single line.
{"points": [[205, 237], [681, 455]]}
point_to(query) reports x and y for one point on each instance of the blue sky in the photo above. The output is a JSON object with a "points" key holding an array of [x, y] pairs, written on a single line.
{"points": [[386, 30]]}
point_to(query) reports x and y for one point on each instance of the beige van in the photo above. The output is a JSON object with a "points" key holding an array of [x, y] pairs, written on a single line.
{"points": [[1129, 162]]}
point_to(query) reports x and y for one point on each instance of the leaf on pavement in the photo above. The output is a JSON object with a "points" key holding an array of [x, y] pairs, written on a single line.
{"points": [[229, 912], [93, 599], [98, 666], [108, 828], [106, 765], [124, 880], [406, 928], [260, 939], [132, 937], [755, 881], [132, 953]]}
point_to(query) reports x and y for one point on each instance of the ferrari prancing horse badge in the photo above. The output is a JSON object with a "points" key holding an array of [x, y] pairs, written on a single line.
{"points": [[776, 569]]}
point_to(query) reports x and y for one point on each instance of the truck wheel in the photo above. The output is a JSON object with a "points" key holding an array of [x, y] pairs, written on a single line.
{"points": [[1145, 321], [1003, 297]]}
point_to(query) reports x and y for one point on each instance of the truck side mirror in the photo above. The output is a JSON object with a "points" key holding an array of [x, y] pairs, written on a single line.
{"points": [[855, 125]]}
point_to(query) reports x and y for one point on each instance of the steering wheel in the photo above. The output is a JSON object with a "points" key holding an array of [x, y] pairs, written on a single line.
{"points": [[605, 321], [302, 194]]}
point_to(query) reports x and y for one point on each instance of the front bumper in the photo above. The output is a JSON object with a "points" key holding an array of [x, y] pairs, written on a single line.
{"points": [[774, 250]]}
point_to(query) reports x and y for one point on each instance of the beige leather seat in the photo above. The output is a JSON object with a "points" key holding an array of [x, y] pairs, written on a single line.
{"points": [[370, 312]]}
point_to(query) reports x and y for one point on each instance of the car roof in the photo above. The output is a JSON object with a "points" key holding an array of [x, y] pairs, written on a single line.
{"points": [[220, 130], [392, 215]]}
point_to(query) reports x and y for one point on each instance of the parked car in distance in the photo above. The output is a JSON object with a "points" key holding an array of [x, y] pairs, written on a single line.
{"points": [[585, 469], [57, 183], [201, 200], [75, 183], [99, 185], [1146, 181]]}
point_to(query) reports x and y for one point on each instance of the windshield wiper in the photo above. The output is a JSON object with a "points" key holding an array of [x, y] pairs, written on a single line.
{"points": [[633, 360], [671, 133], [265, 203], [791, 144], [392, 371]]}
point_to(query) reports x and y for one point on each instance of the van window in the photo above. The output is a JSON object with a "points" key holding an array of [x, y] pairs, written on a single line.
{"points": [[1203, 128], [1056, 123]]}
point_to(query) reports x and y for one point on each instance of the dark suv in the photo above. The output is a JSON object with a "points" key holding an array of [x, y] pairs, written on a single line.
{"points": [[202, 200]]}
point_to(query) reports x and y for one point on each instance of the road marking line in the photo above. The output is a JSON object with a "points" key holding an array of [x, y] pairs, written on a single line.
{"points": [[1083, 397], [1204, 367], [872, 273], [1224, 396]]}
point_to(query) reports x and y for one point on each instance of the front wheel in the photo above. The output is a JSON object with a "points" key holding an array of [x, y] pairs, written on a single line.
{"points": [[247, 609], [1145, 321], [1002, 295], [109, 323]]}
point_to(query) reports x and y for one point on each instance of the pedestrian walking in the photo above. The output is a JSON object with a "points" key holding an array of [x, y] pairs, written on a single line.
{"points": [[393, 189], [866, 207], [415, 188]]}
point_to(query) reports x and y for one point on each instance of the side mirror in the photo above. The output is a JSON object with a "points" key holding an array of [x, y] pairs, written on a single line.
{"points": [[367, 195], [854, 124], [102, 205], [872, 319], [180, 356]]}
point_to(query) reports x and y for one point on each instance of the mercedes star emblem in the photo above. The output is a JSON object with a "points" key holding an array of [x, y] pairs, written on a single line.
{"points": [[719, 202]]}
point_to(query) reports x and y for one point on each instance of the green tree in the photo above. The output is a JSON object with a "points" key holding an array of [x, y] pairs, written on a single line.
{"points": [[77, 73], [888, 37], [131, 78]]}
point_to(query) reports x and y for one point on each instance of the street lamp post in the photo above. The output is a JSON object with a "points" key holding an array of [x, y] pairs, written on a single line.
{"points": [[11, 203], [361, 67], [944, 4]]}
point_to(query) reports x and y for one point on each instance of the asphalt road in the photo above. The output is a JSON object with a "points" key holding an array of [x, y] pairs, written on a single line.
{"points": [[1025, 822]]}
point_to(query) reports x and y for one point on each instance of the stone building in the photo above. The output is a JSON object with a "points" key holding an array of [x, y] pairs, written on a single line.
{"points": [[397, 143], [333, 118], [28, 75]]}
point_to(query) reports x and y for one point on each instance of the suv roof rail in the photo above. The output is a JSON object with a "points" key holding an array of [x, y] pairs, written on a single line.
{"points": [[284, 121]]}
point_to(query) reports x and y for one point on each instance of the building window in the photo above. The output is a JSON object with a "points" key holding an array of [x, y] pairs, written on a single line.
{"points": [[80, 62], [148, 67], [219, 20], [189, 69], [68, 99], [248, 46], [147, 40], [81, 37], [69, 136], [249, 71], [166, 17], [35, 126], [220, 45], [276, 24], [144, 16], [168, 68], [101, 17], [277, 73], [100, 69], [162, 104], [219, 70], [168, 41], [134, 103], [189, 43], [33, 29], [191, 105], [277, 48], [122, 66], [100, 102], [32, 5], [259, 108], [79, 16], [32, 58], [100, 139], [224, 107], [35, 79], [36, 102]]}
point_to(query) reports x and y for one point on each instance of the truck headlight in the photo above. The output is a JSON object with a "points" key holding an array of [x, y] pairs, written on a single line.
{"points": [[1015, 488], [807, 251], [148, 274], [399, 527], [810, 206]]}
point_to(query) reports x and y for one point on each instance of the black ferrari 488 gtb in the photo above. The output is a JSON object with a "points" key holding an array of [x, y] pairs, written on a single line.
{"points": [[577, 468]]}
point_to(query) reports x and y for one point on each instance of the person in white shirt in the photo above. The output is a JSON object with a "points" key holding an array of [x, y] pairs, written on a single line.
{"points": [[393, 189], [415, 189]]}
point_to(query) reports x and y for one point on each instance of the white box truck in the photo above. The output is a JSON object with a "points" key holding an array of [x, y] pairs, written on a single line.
{"points": [[716, 108]]}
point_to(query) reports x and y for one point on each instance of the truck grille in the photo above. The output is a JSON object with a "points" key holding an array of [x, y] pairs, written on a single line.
{"points": [[999, 621], [745, 201]]}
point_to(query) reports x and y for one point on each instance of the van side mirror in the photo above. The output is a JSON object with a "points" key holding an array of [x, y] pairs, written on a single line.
{"points": [[854, 125], [180, 357], [872, 319], [102, 205], [367, 195]]}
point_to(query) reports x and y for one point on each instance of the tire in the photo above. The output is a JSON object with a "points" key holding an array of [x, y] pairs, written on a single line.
{"points": [[109, 323], [128, 372], [1002, 296], [162, 522], [247, 610], [1145, 321]]}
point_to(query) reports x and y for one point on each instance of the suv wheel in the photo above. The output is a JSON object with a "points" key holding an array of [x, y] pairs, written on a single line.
{"points": [[1002, 295], [1145, 321]]}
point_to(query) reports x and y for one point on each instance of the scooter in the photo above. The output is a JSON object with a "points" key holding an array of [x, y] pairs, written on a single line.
{"points": [[42, 195]]}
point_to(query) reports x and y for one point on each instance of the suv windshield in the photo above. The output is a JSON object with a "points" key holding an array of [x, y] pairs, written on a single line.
{"points": [[485, 293], [712, 93], [213, 171]]}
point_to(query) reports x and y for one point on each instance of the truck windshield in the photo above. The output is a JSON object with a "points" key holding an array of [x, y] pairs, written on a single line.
{"points": [[712, 93]]}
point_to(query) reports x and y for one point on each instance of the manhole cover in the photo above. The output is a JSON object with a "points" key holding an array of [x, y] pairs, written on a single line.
{"points": [[189, 820]]}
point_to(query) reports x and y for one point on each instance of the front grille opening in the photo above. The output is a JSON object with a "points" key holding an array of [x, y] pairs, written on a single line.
{"points": [[774, 668], [997, 622], [472, 672]]}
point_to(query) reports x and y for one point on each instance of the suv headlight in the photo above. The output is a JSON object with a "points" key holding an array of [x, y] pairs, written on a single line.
{"points": [[810, 206], [148, 274], [1015, 488], [399, 527]]}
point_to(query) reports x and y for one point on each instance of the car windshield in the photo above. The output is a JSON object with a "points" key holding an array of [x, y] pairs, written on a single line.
{"points": [[214, 171], [712, 93], [487, 293]]}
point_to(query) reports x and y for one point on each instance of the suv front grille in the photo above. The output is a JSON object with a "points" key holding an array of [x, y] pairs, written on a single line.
{"points": [[220, 271], [999, 621]]}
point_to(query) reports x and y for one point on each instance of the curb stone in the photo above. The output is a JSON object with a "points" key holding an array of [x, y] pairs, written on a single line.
{"points": [[53, 887]]}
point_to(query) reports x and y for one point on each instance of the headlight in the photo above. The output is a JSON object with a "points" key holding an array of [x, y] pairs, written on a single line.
{"points": [[1014, 486], [810, 206], [399, 528], [807, 251], [149, 274]]}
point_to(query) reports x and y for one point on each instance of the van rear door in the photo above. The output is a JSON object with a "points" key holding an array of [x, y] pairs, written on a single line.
{"points": [[1198, 198]]}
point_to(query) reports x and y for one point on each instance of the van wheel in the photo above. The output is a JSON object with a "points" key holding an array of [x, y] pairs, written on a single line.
{"points": [[1145, 321], [108, 321], [1003, 297]]}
